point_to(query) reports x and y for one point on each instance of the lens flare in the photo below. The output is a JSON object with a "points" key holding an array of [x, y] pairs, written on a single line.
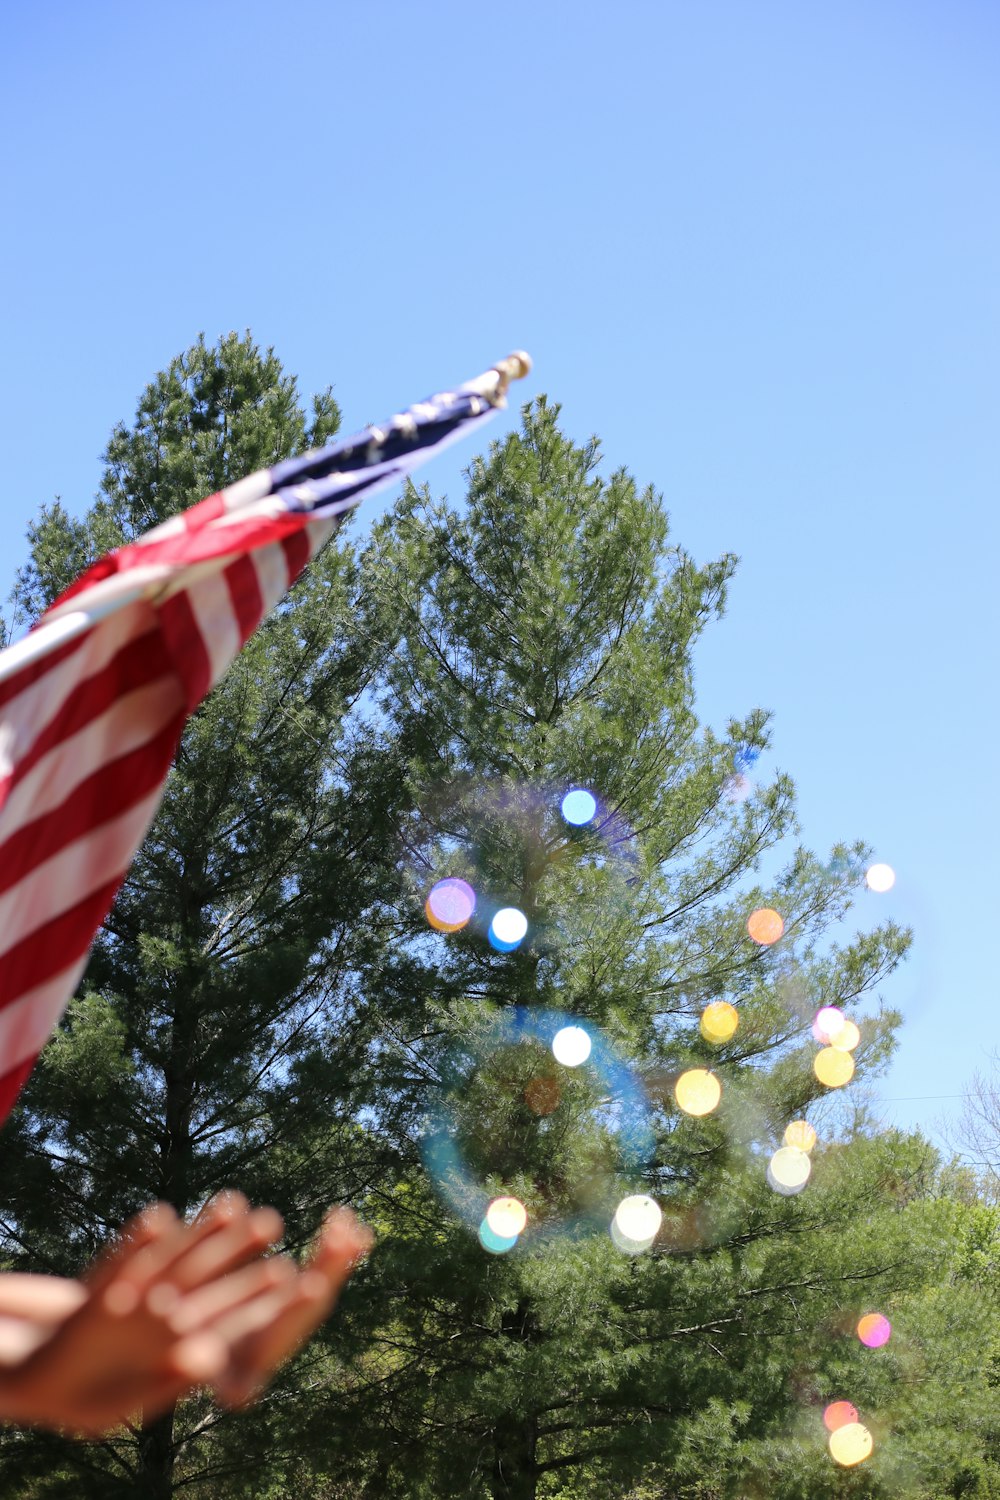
{"points": [[507, 929], [571, 1046], [450, 904], [850, 1444], [788, 1170], [847, 1038], [880, 878], [506, 1217], [833, 1068], [765, 926], [838, 1414], [719, 1021], [697, 1091], [625, 1243], [496, 1244], [799, 1133], [542, 1096], [638, 1217], [874, 1330], [738, 788], [828, 1023], [579, 806]]}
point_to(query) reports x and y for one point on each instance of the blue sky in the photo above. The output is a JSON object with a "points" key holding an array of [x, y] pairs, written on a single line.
{"points": [[755, 247]]}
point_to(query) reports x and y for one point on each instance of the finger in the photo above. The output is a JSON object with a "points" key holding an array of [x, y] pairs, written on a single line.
{"points": [[209, 1304], [342, 1243], [280, 1330], [224, 1237], [146, 1228], [229, 1247]]}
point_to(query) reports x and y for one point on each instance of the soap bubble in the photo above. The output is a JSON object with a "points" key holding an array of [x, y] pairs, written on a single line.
{"points": [[847, 1038], [497, 1091], [828, 1023]]}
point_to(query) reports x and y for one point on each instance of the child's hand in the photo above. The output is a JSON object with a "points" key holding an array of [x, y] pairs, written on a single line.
{"points": [[85, 1355], [265, 1329]]}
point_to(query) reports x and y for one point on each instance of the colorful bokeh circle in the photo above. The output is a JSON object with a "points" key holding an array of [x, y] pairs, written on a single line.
{"points": [[509, 1062], [874, 1330]]}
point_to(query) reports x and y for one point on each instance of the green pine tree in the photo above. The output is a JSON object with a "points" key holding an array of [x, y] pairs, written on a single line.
{"points": [[214, 1041], [545, 642]]}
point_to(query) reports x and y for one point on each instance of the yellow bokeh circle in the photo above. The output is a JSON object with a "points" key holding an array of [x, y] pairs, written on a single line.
{"points": [[765, 926], [719, 1021], [850, 1444], [506, 1216], [800, 1133], [697, 1091], [847, 1038], [833, 1068]]}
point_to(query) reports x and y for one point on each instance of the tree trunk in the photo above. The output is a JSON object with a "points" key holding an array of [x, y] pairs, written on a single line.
{"points": [[154, 1477], [515, 1472]]}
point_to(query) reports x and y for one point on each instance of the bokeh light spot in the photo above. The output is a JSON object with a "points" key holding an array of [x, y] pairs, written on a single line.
{"points": [[799, 1133], [719, 1021], [697, 1091], [450, 904], [738, 788], [625, 1243], [571, 1046], [838, 1414], [506, 1217], [579, 806], [542, 1096], [638, 1217], [788, 1170], [496, 1244], [765, 926], [828, 1022], [874, 1330], [880, 878], [847, 1038], [507, 929], [833, 1068], [850, 1444]]}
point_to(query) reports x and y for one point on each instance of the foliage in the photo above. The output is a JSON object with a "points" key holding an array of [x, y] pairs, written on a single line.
{"points": [[268, 1007]]}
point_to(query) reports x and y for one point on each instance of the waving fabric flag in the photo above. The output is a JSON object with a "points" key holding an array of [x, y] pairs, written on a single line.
{"points": [[93, 701]]}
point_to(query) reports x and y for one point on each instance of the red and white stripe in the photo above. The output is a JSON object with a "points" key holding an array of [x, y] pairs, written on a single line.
{"points": [[94, 700]]}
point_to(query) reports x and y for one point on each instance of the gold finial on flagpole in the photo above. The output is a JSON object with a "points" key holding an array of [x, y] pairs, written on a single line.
{"points": [[493, 385], [514, 367]]}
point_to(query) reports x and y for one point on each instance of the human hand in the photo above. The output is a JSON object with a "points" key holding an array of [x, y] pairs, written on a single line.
{"points": [[84, 1355], [263, 1329]]}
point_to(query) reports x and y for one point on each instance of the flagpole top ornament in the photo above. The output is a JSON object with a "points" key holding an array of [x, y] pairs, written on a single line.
{"points": [[514, 367]]}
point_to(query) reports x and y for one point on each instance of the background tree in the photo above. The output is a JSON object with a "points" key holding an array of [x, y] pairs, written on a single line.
{"points": [[214, 1041], [546, 635], [269, 1007]]}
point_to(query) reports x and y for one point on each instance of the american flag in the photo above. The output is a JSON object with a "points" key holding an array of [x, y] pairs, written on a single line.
{"points": [[93, 701]]}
